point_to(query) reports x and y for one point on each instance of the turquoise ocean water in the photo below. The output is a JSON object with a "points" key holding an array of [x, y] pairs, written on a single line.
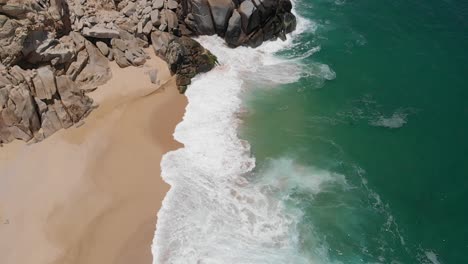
{"points": [[369, 146]]}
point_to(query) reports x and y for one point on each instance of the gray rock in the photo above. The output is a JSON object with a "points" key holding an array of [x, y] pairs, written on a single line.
{"points": [[22, 76], [155, 18], [160, 41], [234, 29], [120, 58], [50, 121], [100, 32], [18, 117], [162, 21], [103, 48], [129, 9], [3, 96], [44, 83], [221, 11], [148, 28], [249, 15], [158, 4], [110, 56], [135, 57], [119, 44], [77, 66], [202, 17], [73, 99], [78, 40], [147, 10], [96, 72], [62, 114], [153, 74], [171, 19], [171, 4], [79, 11], [15, 10], [51, 50], [140, 27]]}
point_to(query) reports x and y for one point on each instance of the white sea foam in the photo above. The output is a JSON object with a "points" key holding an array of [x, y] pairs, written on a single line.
{"points": [[432, 257], [396, 120], [213, 213]]}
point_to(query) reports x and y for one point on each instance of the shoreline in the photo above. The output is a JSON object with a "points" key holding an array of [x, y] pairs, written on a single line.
{"points": [[91, 194]]}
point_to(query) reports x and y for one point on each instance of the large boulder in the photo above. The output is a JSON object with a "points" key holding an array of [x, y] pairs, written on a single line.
{"points": [[18, 118], [221, 11], [100, 32], [36, 103], [20, 19], [240, 22], [202, 17], [44, 83], [234, 29], [184, 56], [160, 42], [250, 16], [97, 71]]}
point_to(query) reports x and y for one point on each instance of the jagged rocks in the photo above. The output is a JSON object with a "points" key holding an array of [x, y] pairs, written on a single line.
{"points": [[160, 42], [129, 9], [158, 4], [44, 83], [202, 18], [54, 38], [128, 50], [247, 22], [100, 32], [102, 48], [35, 104], [19, 19], [96, 72], [221, 11], [250, 16], [185, 56], [234, 29], [73, 98]]}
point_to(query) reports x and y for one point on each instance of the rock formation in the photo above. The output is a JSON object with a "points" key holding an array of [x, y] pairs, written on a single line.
{"points": [[239, 22], [52, 52], [184, 56]]}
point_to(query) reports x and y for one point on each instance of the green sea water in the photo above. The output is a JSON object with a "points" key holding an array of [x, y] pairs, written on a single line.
{"points": [[373, 137]]}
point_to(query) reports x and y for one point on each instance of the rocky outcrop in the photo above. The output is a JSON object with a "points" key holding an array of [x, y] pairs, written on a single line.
{"points": [[239, 22], [52, 52], [185, 56], [23, 23], [36, 103]]}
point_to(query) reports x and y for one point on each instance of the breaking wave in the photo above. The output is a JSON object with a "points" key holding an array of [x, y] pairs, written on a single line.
{"points": [[214, 213]]}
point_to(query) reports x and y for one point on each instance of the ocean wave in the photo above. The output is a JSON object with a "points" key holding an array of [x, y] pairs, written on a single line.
{"points": [[213, 213]]}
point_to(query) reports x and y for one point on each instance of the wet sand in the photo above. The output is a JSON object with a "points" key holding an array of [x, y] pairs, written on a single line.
{"points": [[91, 194]]}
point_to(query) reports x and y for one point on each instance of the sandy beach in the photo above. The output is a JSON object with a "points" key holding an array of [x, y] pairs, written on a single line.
{"points": [[90, 194]]}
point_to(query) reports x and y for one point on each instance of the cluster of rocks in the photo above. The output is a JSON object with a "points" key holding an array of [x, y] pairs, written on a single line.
{"points": [[52, 52], [239, 22], [101, 19], [184, 56], [35, 103]]}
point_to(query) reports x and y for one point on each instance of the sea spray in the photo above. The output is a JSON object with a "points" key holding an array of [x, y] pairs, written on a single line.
{"points": [[222, 208], [213, 212]]}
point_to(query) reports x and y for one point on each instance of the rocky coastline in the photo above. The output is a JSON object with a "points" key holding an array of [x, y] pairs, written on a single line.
{"points": [[52, 52]]}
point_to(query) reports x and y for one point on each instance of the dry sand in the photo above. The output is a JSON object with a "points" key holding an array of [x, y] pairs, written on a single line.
{"points": [[90, 195]]}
